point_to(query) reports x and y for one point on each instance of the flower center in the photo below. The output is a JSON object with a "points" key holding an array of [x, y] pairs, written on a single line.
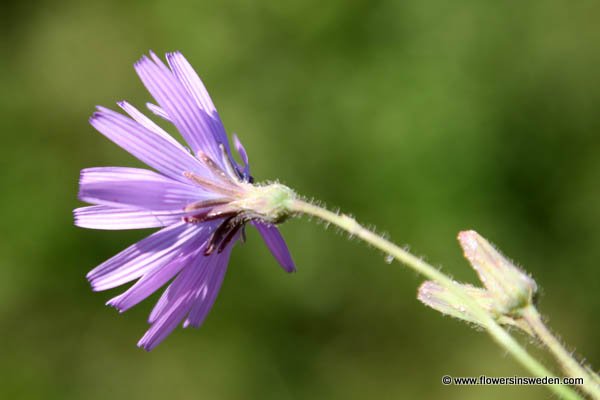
{"points": [[237, 202]]}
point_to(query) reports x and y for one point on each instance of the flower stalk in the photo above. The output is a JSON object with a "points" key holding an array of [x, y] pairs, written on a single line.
{"points": [[569, 365], [505, 340]]}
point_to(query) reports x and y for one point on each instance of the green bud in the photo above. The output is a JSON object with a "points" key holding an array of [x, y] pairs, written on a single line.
{"points": [[510, 288], [443, 300]]}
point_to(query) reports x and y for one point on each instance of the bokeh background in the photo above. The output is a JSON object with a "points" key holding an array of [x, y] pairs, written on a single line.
{"points": [[420, 118]]}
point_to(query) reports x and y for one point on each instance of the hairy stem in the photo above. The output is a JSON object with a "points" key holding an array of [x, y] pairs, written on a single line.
{"points": [[505, 340], [566, 360]]}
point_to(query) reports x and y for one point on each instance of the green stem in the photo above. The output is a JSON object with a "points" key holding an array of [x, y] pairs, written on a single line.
{"points": [[505, 340], [566, 360]]}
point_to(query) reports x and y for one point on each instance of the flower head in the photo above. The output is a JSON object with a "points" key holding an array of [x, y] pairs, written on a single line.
{"points": [[200, 197]]}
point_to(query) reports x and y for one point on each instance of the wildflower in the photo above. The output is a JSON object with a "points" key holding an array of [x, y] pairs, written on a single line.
{"points": [[201, 199]]}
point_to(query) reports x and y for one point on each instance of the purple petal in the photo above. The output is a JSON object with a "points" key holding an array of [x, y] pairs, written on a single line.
{"points": [[178, 299], [146, 145], [186, 74], [135, 187], [167, 323], [211, 284], [148, 284], [240, 149], [156, 110], [157, 249], [148, 123], [105, 217], [193, 84], [191, 121], [276, 244], [245, 170], [177, 288]]}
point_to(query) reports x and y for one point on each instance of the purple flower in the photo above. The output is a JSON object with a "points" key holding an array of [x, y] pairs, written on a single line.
{"points": [[200, 197]]}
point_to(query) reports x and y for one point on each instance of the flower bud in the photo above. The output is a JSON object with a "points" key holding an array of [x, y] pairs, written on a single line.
{"points": [[443, 300], [509, 287]]}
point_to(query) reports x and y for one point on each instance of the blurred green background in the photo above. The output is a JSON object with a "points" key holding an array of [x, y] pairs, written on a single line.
{"points": [[420, 118]]}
